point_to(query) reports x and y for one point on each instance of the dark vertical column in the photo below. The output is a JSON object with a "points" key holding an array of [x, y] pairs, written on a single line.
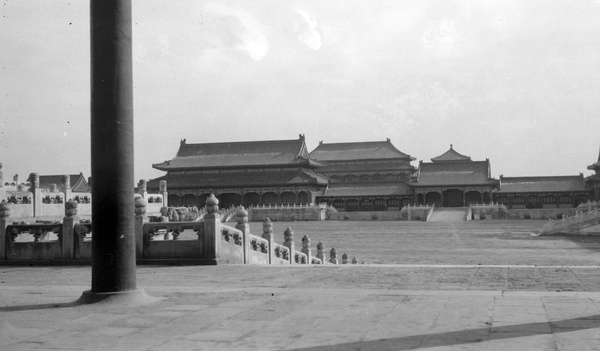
{"points": [[113, 223]]}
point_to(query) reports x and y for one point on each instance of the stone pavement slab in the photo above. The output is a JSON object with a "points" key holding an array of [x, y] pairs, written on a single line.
{"points": [[307, 308]]}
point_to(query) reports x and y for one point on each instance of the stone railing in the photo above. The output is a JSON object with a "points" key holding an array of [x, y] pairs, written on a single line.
{"points": [[282, 206], [288, 212], [416, 212], [206, 242], [588, 206], [572, 225], [493, 210]]}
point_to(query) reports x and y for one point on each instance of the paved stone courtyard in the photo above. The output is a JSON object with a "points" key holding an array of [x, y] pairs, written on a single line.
{"points": [[469, 286], [309, 308]]}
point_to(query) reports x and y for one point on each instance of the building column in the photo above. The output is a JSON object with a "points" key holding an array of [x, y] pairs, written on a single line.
{"points": [[113, 221]]}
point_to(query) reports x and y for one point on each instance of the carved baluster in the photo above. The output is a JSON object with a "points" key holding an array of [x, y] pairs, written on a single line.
{"points": [[288, 235], [354, 260], [268, 235], [344, 258], [278, 251], [4, 215], [333, 256], [285, 253], [306, 248], [320, 252]]}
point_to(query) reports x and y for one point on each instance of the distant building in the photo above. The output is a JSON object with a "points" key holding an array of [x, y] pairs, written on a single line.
{"points": [[593, 181], [247, 173], [77, 183], [453, 180], [354, 176], [542, 192], [365, 176]]}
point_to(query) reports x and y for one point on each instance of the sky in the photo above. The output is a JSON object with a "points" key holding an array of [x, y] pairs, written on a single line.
{"points": [[517, 82]]}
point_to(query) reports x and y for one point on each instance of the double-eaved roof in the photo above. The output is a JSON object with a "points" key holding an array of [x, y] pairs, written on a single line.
{"points": [[543, 184], [240, 179], [273, 153], [365, 189], [451, 156], [370, 150], [454, 169]]}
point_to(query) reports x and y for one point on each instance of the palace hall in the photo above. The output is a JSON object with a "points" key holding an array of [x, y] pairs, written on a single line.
{"points": [[242, 173], [354, 176]]}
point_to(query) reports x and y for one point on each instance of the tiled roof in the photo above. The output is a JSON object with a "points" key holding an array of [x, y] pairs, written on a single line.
{"points": [[362, 189], [595, 166], [454, 173], [239, 154], [74, 180], [451, 156], [594, 177], [228, 180], [541, 184], [384, 167], [370, 150]]}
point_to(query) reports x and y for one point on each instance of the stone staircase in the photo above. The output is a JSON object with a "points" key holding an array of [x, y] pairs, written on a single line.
{"points": [[448, 214], [574, 225]]}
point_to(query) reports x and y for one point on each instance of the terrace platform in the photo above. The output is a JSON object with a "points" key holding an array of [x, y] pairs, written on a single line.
{"points": [[345, 307]]}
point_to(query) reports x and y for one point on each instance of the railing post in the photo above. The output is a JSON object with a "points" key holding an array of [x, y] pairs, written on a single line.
{"points": [[288, 235], [344, 258], [333, 256], [36, 193], [212, 231], [268, 235], [320, 252], [244, 227], [162, 189], [67, 235], [306, 248], [140, 216], [354, 260], [65, 184], [4, 215]]}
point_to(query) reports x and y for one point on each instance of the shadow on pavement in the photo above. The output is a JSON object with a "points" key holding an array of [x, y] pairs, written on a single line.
{"points": [[467, 336], [43, 306]]}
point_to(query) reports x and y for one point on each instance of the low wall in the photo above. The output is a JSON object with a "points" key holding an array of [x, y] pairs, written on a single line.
{"points": [[212, 242], [367, 216], [541, 213], [286, 214]]}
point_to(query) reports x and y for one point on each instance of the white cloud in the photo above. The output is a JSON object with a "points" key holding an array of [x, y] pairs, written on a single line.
{"points": [[307, 30], [249, 33]]}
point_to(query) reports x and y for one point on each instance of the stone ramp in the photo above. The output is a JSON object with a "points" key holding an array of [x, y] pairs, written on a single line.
{"points": [[448, 214]]}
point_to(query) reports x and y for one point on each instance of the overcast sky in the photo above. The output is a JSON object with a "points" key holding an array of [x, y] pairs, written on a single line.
{"points": [[517, 82]]}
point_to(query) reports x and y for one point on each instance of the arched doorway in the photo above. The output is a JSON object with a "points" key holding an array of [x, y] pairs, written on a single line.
{"points": [[453, 198], [174, 200], [251, 199], [288, 197], [432, 198], [227, 200], [270, 198], [189, 200], [472, 197], [303, 197]]}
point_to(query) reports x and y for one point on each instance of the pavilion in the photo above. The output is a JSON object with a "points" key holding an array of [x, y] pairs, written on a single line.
{"points": [[453, 180]]}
